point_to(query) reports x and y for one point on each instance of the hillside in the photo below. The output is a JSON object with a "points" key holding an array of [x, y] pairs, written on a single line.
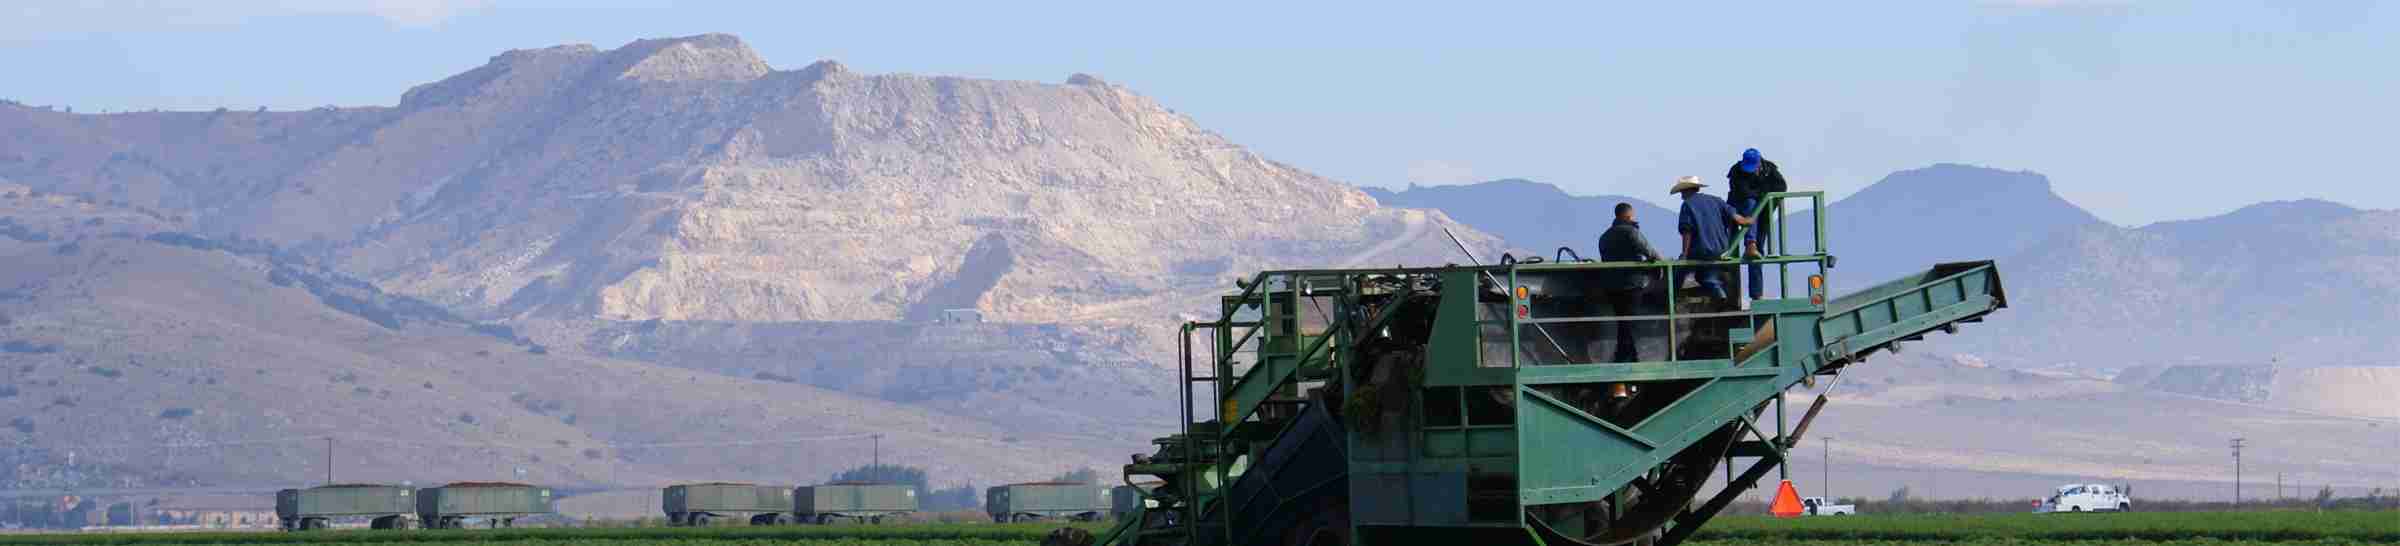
{"points": [[139, 358], [1535, 217], [2311, 289], [1946, 212], [1964, 429], [686, 179]]}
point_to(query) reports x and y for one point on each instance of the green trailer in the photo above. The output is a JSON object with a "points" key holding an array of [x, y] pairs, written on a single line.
{"points": [[854, 501], [1526, 402], [449, 506], [697, 503], [384, 506], [1035, 501], [1127, 500]]}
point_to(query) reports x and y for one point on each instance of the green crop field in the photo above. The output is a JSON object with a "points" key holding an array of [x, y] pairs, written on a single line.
{"points": [[2154, 529]]}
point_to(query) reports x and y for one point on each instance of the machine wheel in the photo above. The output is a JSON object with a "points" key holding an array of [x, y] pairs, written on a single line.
{"points": [[1328, 525], [1643, 519], [875, 520], [696, 520], [2124, 507], [2077, 509], [824, 519]]}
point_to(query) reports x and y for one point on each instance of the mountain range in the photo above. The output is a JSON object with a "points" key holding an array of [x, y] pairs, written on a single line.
{"points": [[680, 217], [2295, 281], [670, 261]]}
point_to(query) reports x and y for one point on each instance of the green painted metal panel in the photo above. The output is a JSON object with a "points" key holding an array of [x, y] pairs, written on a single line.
{"points": [[724, 498], [483, 499], [1451, 356], [345, 500], [854, 499]]}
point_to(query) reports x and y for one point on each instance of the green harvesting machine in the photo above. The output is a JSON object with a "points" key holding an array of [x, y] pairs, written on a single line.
{"points": [[1526, 402]]}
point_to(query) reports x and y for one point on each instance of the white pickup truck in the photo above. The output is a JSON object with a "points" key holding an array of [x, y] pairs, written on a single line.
{"points": [[1818, 506], [2085, 497]]}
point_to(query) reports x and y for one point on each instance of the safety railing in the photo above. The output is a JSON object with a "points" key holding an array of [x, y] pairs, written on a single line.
{"points": [[1675, 310]]}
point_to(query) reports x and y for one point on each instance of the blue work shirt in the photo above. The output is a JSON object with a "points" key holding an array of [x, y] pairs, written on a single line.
{"points": [[1710, 223]]}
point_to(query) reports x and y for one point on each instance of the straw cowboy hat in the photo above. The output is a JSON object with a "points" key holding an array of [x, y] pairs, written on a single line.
{"points": [[1688, 183]]}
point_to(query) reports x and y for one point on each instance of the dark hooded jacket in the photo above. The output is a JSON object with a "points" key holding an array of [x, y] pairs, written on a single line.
{"points": [[1746, 188]]}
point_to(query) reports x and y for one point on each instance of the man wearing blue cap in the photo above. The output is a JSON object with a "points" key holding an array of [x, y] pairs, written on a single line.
{"points": [[1749, 181]]}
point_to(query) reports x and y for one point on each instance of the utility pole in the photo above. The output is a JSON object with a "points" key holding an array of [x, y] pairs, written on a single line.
{"points": [[2279, 486], [328, 460], [1825, 469], [2237, 472], [878, 449]]}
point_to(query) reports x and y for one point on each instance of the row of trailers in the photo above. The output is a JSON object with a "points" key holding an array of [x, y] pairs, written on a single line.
{"points": [[401, 507], [873, 503], [501, 504]]}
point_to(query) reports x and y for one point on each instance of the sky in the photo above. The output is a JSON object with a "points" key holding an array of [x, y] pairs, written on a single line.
{"points": [[2140, 111]]}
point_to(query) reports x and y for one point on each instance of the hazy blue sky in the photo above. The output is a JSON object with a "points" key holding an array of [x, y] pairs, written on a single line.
{"points": [[2141, 111]]}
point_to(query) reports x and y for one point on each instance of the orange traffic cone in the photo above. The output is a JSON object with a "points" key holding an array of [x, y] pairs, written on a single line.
{"points": [[1787, 501]]}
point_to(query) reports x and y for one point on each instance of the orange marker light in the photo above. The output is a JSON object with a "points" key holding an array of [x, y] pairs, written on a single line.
{"points": [[1522, 293], [1816, 289]]}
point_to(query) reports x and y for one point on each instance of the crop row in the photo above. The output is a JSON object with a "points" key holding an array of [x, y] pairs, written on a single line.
{"points": [[2382, 526], [828, 535]]}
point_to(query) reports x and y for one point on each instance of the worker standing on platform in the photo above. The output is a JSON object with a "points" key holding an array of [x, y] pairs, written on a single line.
{"points": [[1707, 224], [1750, 180], [1623, 242]]}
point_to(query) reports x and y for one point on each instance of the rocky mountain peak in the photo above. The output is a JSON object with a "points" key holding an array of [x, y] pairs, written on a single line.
{"points": [[706, 57]]}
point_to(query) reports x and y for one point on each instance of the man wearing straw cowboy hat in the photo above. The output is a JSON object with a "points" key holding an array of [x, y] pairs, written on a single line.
{"points": [[1707, 224]]}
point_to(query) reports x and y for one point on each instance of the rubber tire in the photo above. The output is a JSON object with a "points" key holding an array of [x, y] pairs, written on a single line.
{"points": [[696, 520], [2078, 508], [2124, 507], [824, 519]]}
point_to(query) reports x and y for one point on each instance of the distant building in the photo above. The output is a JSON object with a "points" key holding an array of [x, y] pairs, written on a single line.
{"points": [[960, 316]]}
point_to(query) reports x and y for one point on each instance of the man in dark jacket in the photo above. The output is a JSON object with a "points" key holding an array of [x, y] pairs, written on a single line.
{"points": [[1751, 179], [1623, 242]]}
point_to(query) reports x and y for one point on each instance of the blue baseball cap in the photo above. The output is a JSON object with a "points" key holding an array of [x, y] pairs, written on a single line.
{"points": [[1750, 159]]}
